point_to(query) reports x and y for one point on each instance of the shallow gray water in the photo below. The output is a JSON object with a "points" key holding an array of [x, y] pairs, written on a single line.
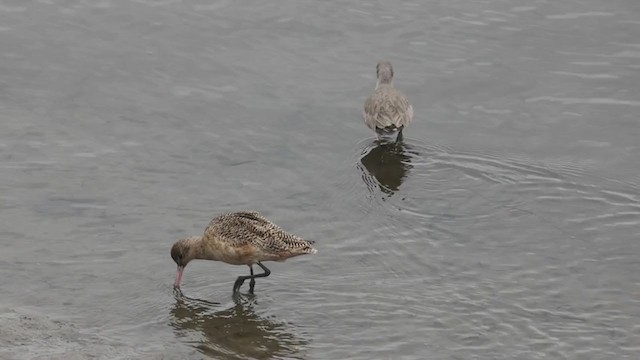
{"points": [[506, 225]]}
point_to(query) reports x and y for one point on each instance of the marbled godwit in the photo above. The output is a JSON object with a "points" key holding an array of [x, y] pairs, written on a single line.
{"points": [[241, 238], [387, 110]]}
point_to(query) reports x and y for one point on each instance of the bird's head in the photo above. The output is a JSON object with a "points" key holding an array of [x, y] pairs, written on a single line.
{"points": [[182, 252]]}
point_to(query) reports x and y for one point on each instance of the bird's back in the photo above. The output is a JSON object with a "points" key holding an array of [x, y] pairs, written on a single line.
{"points": [[387, 109], [250, 229]]}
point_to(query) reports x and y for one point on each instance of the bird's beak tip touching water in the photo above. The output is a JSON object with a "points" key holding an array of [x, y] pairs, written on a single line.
{"points": [[176, 284]]}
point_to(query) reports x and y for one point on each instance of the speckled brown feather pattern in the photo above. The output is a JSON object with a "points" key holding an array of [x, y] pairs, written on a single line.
{"points": [[250, 228]]}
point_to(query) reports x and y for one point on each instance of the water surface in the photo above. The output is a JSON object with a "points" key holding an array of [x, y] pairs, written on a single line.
{"points": [[504, 226]]}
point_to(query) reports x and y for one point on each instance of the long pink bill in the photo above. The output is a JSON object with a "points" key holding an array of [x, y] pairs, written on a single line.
{"points": [[176, 284]]}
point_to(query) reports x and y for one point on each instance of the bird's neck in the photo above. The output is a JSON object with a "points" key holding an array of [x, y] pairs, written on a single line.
{"points": [[384, 82], [196, 247], [204, 249]]}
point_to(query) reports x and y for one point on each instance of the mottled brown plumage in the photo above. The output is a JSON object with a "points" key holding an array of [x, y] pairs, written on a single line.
{"points": [[387, 110], [240, 238]]}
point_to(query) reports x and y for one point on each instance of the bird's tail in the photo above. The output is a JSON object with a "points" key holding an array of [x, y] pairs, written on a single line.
{"points": [[309, 249]]}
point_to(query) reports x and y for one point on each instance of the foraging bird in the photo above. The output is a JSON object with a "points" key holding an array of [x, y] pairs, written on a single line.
{"points": [[387, 111], [241, 238]]}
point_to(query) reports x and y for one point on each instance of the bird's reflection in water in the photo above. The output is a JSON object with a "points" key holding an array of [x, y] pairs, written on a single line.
{"points": [[385, 165], [237, 332]]}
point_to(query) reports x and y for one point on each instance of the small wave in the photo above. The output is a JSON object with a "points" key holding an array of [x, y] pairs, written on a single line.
{"points": [[28, 335]]}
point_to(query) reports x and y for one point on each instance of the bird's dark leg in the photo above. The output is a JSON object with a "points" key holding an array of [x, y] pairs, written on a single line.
{"points": [[240, 280], [252, 283], [266, 272], [399, 138]]}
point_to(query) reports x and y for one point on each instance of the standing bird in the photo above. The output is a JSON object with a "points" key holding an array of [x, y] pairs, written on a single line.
{"points": [[387, 111], [241, 238]]}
